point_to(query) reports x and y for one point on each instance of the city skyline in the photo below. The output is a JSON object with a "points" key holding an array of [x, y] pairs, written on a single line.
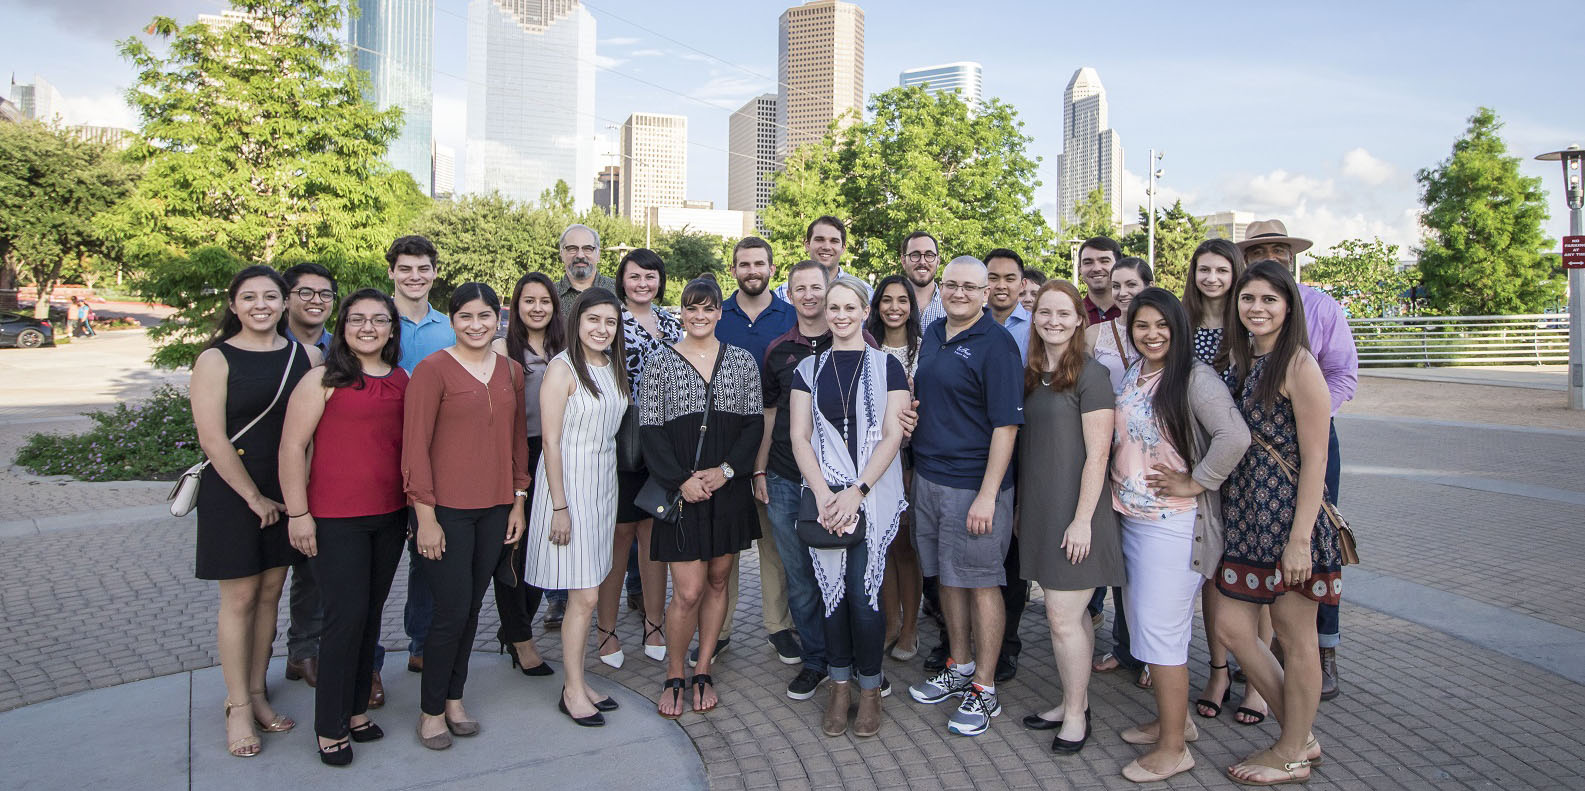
{"points": [[966, 78], [392, 41], [655, 163], [751, 153], [1326, 135], [819, 71], [1092, 152]]}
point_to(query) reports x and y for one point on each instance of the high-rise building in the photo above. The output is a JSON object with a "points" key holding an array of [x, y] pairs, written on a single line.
{"points": [[962, 77], [531, 98], [608, 190], [655, 163], [751, 154], [443, 178], [38, 100], [820, 67], [392, 41], [1092, 154]]}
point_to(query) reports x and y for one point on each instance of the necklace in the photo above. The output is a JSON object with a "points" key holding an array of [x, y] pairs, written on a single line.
{"points": [[1045, 379], [847, 392]]}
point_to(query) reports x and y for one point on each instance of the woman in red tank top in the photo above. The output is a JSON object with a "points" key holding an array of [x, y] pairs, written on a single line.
{"points": [[346, 509]]}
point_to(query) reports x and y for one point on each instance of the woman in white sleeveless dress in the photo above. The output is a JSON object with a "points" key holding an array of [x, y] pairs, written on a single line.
{"points": [[573, 518]]}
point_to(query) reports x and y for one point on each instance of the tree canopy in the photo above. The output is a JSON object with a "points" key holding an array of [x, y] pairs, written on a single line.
{"points": [[923, 161], [1091, 218], [1484, 250], [1364, 277], [1177, 234]]}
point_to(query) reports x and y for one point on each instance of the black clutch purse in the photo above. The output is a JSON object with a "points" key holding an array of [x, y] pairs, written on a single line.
{"points": [[658, 502], [815, 535]]}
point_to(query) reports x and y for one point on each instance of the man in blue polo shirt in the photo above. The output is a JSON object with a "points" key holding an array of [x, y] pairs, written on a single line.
{"points": [[751, 319], [970, 390]]}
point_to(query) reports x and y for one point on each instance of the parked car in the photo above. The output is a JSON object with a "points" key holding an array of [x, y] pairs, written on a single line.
{"points": [[25, 332]]}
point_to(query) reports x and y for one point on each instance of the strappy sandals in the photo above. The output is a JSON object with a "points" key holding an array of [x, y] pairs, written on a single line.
{"points": [[613, 660], [279, 724], [699, 682], [247, 746], [655, 652], [1266, 759], [1202, 705], [673, 687]]}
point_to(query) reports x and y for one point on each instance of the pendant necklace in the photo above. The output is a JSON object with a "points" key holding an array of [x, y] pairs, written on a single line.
{"points": [[846, 393]]}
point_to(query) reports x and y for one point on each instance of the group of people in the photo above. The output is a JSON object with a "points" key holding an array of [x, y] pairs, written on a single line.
{"points": [[923, 447]]}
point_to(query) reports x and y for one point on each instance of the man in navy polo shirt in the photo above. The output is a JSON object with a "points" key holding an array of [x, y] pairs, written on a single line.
{"points": [[751, 319], [970, 390]]}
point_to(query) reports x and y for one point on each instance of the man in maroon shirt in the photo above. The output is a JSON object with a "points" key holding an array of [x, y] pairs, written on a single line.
{"points": [[1097, 256]]}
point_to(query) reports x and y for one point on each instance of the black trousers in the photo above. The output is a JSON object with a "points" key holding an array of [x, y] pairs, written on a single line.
{"points": [[518, 604], [1015, 594], [356, 562], [458, 580]]}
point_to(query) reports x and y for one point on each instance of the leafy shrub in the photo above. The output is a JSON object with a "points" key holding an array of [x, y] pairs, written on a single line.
{"points": [[152, 440]]}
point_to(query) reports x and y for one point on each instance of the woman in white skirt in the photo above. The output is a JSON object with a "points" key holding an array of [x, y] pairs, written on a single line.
{"points": [[573, 519], [1178, 436]]}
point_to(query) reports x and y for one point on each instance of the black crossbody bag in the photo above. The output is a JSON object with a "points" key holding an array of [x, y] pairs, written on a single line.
{"points": [[660, 503]]}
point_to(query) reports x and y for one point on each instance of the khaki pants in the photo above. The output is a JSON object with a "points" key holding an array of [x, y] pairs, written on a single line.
{"points": [[772, 580]]}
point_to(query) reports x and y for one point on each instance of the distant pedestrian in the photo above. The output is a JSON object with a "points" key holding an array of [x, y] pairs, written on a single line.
{"points": [[346, 508]]}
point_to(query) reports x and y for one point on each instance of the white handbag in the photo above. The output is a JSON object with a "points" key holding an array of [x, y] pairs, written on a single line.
{"points": [[184, 495]]}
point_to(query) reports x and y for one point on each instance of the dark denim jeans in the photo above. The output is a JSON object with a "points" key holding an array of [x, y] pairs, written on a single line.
{"points": [[855, 632], [803, 594], [1329, 632]]}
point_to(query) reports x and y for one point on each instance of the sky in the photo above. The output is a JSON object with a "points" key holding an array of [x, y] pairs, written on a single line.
{"points": [[1318, 114]]}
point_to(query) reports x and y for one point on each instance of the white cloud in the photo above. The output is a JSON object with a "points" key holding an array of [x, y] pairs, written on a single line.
{"points": [[106, 109], [647, 53], [1135, 195], [1279, 190], [607, 62], [729, 92], [1362, 166], [620, 41]]}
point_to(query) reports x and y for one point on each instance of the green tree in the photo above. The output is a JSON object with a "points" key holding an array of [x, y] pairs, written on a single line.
{"points": [[53, 187], [689, 254], [256, 140], [1177, 234], [1092, 218], [1484, 251], [1364, 276], [921, 161]]}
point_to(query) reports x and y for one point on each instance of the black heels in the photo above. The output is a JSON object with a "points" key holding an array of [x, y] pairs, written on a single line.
{"points": [[338, 754], [1062, 746], [367, 732], [541, 669], [594, 720]]}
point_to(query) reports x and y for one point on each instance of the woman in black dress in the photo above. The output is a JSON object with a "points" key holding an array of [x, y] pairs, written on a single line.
{"points": [[718, 518], [245, 376]]}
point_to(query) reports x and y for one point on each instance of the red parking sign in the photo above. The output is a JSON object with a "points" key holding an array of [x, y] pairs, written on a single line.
{"points": [[1574, 252]]}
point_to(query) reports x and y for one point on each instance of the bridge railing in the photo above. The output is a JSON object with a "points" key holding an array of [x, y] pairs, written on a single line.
{"points": [[1534, 338]]}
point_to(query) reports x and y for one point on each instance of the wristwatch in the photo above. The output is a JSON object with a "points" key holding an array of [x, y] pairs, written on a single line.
{"points": [[864, 488], [726, 469], [520, 493]]}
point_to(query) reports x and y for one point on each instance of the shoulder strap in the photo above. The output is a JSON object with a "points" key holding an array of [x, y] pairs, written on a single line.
{"points": [[1287, 469], [291, 357], [709, 401]]}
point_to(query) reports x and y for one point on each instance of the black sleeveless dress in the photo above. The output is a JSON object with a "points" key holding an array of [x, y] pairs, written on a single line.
{"points": [[231, 545]]}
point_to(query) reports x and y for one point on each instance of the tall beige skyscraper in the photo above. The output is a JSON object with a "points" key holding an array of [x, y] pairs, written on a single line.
{"points": [[654, 162], [821, 69], [1092, 154], [751, 157]]}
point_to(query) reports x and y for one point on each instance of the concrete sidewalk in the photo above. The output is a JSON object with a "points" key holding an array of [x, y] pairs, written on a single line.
{"points": [[1534, 377], [168, 733]]}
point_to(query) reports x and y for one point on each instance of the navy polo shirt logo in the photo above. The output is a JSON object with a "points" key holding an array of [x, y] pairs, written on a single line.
{"points": [[964, 352]]}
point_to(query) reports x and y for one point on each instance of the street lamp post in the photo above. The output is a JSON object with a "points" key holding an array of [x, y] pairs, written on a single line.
{"points": [[1150, 190], [1573, 159]]}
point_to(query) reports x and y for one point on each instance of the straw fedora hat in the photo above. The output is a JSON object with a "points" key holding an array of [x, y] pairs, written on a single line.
{"points": [[1272, 231]]}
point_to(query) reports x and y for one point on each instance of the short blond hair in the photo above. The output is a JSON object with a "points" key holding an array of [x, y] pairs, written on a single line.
{"points": [[850, 283]]}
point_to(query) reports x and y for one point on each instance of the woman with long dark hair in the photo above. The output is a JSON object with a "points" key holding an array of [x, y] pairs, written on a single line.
{"points": [[1278, 540], [345, 506], [581, 403], [1177, 437], [647, 327], [535, 334], [1108, 341], [239, 390], [894, 321], [1068, 535], [465, 466], [717, 519]]}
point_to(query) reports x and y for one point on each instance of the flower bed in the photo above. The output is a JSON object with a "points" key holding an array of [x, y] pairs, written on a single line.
{"points": [[152, 440]]}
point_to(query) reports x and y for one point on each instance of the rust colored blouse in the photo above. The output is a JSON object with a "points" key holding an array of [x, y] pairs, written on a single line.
{"points": [[464, 442]]}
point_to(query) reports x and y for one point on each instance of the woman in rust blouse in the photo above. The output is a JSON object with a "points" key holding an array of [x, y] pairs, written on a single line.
{"points": [[465, 468]]}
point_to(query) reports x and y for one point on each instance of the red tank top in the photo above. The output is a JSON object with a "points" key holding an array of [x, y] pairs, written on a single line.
{"points": [[357, 462]]}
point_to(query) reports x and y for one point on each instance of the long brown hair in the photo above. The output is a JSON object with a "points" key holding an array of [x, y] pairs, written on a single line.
{"points": [[517, 326], [1291, 338], [1194, 302], [615, 356], [1071, 363]]}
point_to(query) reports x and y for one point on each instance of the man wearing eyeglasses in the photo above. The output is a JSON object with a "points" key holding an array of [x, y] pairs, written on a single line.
{"points": [[310, 302], [580, 254], [920, 258]]}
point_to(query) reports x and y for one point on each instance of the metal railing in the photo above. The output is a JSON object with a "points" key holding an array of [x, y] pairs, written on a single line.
{"points": [[1535, 339]]}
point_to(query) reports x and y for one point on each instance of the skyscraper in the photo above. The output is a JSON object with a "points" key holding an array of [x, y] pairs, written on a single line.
{"points": [[820, 69], [444, 171], [1092, 154], [531, 98], [608, 190], [751, 154], [654, 163], [392, 41], [38, 100], [963, 77]]}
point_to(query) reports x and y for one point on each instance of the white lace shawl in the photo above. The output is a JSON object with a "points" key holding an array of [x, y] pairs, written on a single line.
{"points": [[883, 507]]}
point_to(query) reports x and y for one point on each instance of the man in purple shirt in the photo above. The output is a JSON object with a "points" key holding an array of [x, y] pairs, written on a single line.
{"points": [[1333, 346]]}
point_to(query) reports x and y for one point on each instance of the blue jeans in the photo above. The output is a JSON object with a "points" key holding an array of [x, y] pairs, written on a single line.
{"points": [[855, 632], [420, 608], [1328, 630], [803, 594]]}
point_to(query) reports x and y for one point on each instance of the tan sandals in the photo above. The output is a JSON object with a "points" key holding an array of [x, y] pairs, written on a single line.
{"points": [[247, 746], [280, 724], [1266, 759]]}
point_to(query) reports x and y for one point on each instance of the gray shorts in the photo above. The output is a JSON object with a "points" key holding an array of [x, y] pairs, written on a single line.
{"points": [[941, 535]]}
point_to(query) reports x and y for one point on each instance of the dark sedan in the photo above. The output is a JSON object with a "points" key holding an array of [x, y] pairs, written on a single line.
{"points": [[25, 332]]}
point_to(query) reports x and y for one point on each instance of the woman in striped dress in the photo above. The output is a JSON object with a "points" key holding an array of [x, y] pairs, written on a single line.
{"points": [[573, 519]]}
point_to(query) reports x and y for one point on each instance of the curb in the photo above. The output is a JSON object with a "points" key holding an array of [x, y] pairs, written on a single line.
{"points": [[17, 528]]}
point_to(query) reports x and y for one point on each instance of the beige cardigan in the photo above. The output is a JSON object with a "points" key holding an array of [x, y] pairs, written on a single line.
{"points": [[1220, 439]]}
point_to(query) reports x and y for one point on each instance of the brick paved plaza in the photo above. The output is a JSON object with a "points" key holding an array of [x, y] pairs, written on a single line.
{"points": [[1470, 540]]}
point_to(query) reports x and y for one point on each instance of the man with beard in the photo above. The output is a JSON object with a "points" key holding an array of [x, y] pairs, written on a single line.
{"points": [[580, 254], [921, 258], [1097, 256], [750, 319]]}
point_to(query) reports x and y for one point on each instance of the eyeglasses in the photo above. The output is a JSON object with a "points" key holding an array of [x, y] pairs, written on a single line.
{"points": [[358, 320], [587, 249], [307, 294], [967, 288], [916, 256]]}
